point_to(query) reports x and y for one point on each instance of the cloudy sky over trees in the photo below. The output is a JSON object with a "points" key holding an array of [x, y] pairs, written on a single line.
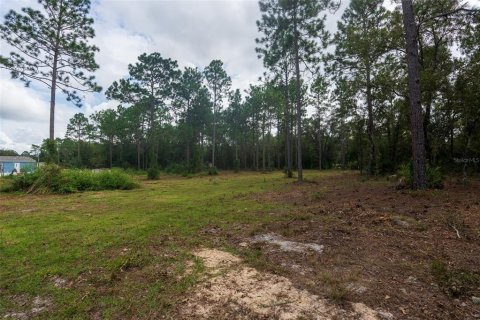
{"points": [[191, 32]]}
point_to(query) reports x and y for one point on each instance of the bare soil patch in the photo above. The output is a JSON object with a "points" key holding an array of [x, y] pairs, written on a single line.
{"points": [[286, 245], [233, 290], [28, 308]]}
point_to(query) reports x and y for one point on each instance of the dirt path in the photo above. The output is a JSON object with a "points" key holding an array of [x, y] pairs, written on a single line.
{"points": [[232, 290]]}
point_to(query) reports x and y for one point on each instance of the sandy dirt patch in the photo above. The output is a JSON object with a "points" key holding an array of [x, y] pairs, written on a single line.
{"points": [[235, 291]]}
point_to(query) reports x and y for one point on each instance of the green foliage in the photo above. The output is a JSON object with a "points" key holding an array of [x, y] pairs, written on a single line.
{"points": [[50, 150], [212, 171], [434, 176], [8, 152], [197, 160], [153, 174], [151, 81], [115, 179], [176, 168], [406, 172], [236, 165], [20, 182], [64, 25], [455, 283], [52, 43], [52, 179], [28, 168]]}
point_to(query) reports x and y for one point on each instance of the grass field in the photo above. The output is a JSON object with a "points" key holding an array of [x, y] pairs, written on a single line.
{"points": [[128, 254], [91, 238]]}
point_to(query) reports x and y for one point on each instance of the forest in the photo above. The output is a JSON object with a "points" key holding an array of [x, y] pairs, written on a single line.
{"points": [[337, 100]]}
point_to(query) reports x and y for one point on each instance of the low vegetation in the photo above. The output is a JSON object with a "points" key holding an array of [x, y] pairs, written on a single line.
{"points": [[456, 283], [153, 174], [435, 176], [53, 179]]}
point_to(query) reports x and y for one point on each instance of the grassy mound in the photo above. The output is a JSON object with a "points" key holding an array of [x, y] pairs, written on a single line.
{"points": [[53, 179]]}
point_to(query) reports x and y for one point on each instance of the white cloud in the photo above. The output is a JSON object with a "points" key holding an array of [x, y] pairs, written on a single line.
{"points": [[191, 32], [20, 103], [91, 109]]}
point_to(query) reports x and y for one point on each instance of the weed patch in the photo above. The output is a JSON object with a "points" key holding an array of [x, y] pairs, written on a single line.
{"points": [[455, 283], [53, 179]]}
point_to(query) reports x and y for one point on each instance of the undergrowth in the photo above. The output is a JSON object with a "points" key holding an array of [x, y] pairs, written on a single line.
{"points": [[455, 283], [53, 179]]}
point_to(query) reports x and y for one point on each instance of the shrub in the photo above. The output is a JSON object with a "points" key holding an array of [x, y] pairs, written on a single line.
{"points": [[406, 172], [212, 171], [49, 178], [21, 182], [236, 165], [434, 176], [153, 174], [115, 179], [52, 179]]}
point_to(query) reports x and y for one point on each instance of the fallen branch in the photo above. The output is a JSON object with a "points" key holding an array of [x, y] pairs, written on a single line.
{"points": [[456, 230]]}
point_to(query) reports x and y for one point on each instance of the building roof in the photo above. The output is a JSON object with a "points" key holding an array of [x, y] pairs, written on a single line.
{"points": [[16, 159]]}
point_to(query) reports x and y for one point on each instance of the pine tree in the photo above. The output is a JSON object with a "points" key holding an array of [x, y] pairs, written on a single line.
{"points": [[219, 84], [294, 28], [51, 47], [78, 128], [151, 82]]}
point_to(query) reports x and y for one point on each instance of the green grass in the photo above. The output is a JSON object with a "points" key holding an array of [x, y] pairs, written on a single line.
{"points": [[123, 251]]}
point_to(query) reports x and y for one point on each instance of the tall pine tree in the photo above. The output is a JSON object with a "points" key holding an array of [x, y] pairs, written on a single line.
{"points": [[51, 47]]}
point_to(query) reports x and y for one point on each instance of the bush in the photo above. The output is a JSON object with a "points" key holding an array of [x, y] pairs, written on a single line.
{"points": [[52, 179], [406, 172], [236, 165], [20, 182], [48, 178], [212, 171], [115, 179], [153, 174], [434, 176]]}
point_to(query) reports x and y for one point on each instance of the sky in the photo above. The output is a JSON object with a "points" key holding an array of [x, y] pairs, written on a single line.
{"points": [[193, 32]]}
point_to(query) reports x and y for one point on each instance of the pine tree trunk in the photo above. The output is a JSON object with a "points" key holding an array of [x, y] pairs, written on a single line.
{"points": [[263, 142], [279, 149], [78, 152], [288, 148], [370, 129], [52, 95], [188, 153], [152, 155], [298, 102], [111, 152], [54, 75], [214, 125], [138, 155], [319, 149], [418, 138]]}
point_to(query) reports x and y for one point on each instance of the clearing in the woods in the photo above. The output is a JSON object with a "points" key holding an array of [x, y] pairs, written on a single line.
{"points": [[243, 246]]}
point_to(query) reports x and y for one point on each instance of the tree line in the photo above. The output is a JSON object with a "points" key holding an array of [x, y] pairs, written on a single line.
{"points": [[391, 86]]}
